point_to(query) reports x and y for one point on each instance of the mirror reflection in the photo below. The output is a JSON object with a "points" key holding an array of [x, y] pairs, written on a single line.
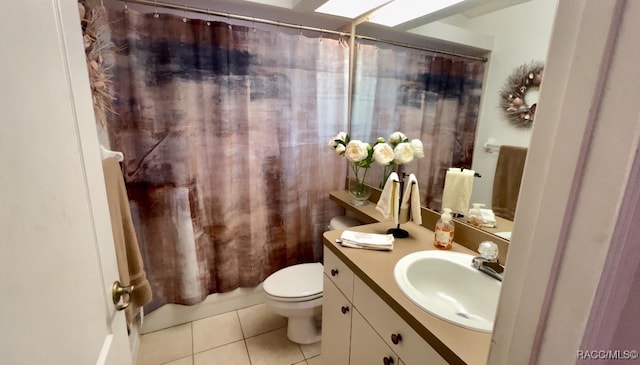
{"points": [[452, 103]]}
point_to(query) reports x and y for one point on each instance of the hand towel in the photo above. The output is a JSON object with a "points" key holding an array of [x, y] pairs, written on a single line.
{"points": [[506, 181], [488, 217], [410, 205], [370, 241], [458, 186], [389, 198], [129, 260]]}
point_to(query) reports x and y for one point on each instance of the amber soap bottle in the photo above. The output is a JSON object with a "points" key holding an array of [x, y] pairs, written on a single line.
{"points": [[444, 231]]}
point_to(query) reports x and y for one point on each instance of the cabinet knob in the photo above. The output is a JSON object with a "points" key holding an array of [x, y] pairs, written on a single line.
{"points": [[396, 338], [387, 360], [345, 309], [334, 272]]}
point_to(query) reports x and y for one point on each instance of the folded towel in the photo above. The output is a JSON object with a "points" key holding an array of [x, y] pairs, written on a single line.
{"points": [[128, 258], [389, 198], [410, 205], [488, 217], [370, 241], [506, 181], [458, 186]]}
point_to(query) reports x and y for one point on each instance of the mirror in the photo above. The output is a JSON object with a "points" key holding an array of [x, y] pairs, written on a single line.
{"points": [[507, 53]]}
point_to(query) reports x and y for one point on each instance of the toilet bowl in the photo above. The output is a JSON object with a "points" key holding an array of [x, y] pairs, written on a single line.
{"points": [[295, 292]]}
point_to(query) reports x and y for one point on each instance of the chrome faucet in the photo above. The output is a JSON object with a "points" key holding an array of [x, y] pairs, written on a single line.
{"points": [[488, 262]]}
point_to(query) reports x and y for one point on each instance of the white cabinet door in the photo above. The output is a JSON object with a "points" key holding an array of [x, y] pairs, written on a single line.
{"points": [[367, 348], [400, 337], [336, 325], [57, 258]]}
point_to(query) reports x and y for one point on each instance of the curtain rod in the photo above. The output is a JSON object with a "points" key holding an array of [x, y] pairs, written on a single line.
{"points": [[420, 48], [161, 4]]}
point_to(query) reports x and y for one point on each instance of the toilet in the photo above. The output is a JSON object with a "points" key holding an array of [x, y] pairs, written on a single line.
{"points": [[295, 292]]}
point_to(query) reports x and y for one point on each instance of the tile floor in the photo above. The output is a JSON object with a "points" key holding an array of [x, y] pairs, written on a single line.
{"points": [[248, 336]]}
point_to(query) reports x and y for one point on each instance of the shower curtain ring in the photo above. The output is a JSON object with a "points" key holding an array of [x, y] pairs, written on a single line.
{"points": [[184, 18], [155, 9], [209, 15]]}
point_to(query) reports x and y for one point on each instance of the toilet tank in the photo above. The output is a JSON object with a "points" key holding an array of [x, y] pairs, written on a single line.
{"points": [[342, 222]]}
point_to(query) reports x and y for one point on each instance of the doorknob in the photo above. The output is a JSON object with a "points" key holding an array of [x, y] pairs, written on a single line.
{"points": [[117, 292]]}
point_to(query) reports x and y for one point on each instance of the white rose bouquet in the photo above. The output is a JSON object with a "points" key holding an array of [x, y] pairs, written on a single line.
{"points": [[399, 150], [360, 156]]}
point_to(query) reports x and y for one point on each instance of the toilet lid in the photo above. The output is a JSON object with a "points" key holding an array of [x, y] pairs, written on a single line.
{"points": [[295, 281]]}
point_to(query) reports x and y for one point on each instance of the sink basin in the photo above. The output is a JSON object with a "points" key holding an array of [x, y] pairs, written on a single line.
{"points": [[445, 284]]}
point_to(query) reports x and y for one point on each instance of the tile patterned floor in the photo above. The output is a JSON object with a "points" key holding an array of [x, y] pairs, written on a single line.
{"points": [[249, 336]]}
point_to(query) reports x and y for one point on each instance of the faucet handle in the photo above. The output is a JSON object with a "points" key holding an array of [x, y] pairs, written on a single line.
{"points": [[489, 251]]}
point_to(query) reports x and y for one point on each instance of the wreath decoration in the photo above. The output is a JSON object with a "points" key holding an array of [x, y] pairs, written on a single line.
{"points": [[523, 79]]}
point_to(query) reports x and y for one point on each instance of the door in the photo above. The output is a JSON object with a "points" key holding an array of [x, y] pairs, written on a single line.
{"points": [[336, 324], [57, 260]]}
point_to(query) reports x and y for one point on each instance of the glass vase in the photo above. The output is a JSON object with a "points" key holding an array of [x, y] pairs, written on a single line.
{"points": [[360, 192]]}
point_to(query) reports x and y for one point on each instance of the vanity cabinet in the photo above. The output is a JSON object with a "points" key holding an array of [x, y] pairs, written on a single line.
{"points": [[359, 328], [337, 310], [394, 331], [367, 348]]}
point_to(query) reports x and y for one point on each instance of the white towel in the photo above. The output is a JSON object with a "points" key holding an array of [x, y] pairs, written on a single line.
{"points": [[370, 241], [389, 198], [489, 218], [458, 186], [410, 205]]}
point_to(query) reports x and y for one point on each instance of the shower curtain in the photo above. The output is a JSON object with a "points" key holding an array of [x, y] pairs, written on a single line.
{"points": [[433, 98], [224, 131]]}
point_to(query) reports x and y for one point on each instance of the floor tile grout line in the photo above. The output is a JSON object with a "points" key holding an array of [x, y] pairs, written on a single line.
{"points": [[246, 348], [217, 347], [192, 342], [240, 322]]}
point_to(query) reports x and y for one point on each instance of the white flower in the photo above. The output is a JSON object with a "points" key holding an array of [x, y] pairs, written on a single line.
{"points": [[356, 151], [340, 149], [397, 137], [403, 153], [418, 150], [383, 153], [333, 143], [380, 140]]}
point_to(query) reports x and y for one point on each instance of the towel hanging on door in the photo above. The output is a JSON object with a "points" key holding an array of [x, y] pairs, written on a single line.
{"points": [[129, 260]]}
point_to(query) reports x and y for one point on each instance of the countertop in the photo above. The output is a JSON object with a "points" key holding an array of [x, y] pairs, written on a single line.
{"points": [[466, 234], [455, 344]]}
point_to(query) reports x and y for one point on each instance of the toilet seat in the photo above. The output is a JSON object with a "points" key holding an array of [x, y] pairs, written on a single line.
{"points": [[297, 283]]}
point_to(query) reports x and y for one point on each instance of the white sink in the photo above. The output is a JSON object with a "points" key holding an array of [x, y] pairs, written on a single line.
{"points": [[445, 284]]}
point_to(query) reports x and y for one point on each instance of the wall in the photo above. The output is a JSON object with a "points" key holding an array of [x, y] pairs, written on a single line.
{"points": [[570, 214], [521, 34]]}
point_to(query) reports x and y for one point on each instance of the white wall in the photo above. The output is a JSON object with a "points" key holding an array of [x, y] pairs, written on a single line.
{"points": [[521, 34]]}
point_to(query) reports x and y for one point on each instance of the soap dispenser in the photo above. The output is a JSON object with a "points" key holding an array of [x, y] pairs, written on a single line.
{"points": [[475, 215], [444, 231]]}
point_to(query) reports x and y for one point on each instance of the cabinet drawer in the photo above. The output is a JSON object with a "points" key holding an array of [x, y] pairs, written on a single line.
{"points": [[336, 325], [339, 273], [411, 348], [367, 348]]}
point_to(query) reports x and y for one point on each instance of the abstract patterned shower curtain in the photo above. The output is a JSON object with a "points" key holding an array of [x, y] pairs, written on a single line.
{"points": [[224, 132], [433, 98]]}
